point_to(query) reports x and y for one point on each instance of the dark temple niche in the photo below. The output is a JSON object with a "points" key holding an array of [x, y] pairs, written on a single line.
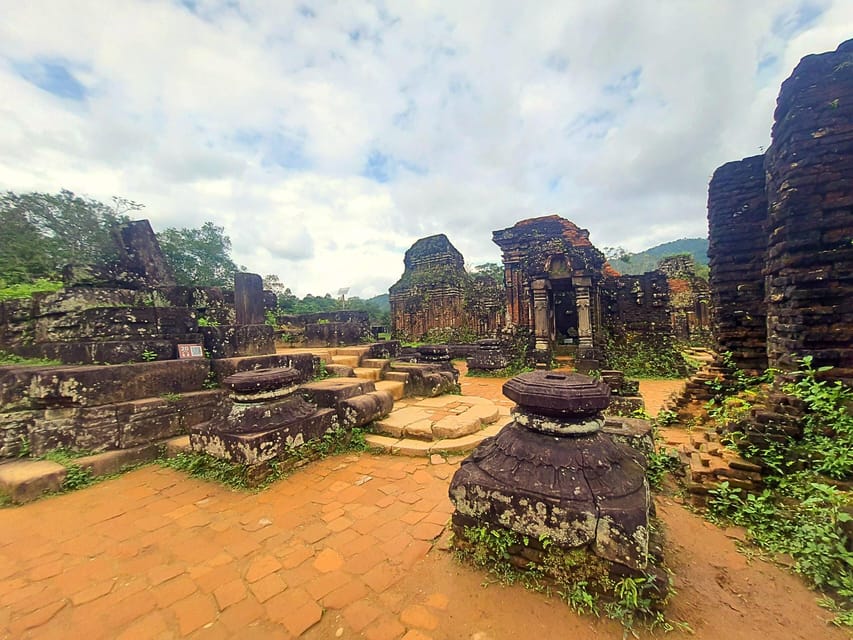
{"points": [[436, 298]]}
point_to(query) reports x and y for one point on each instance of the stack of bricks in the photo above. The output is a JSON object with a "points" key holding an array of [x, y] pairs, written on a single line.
{"points": [[707, 463]]}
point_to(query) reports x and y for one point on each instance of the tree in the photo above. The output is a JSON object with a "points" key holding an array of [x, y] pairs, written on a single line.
{"points": [[492, 269], [200, 257], [43, 232]]}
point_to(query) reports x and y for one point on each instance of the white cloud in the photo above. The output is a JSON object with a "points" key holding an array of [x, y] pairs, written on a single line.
{"points": [[270, 119]]}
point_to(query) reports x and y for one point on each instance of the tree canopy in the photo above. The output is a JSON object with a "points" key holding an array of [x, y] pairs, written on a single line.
{"points": [[43, 232], [200, 257]]}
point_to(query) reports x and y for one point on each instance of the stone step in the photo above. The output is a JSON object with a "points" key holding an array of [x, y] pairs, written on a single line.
{"points": [[351, 351], [348, 360], [26, 480], [422, 448], [367, 373], [376, 363], [397, 389], [396, 376]]}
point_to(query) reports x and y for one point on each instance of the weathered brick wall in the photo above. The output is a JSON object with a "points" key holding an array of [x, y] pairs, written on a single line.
{"points": [[737, 215], [637, 304], [809, 262]]}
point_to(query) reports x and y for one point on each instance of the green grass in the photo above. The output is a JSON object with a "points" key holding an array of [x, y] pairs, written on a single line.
{"points": [[28, 289], [11, 359]]}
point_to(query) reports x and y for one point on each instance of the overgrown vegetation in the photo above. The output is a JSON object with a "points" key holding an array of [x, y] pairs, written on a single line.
{"points": [[579, 578], [76, 477], [28, 289], [7, 359], [801, 511], [247, 478], [640, 357]]}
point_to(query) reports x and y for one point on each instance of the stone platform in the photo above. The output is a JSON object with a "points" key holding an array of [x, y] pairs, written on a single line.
{"points": [[424, 426]]}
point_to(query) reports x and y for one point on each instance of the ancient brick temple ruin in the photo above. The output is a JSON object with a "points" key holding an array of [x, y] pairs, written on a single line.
{"points": [[781, 229], [435, 292], [561, 287], [689, 299]]}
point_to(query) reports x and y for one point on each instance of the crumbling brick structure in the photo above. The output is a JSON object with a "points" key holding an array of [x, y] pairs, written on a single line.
{"points": [[689, 297], [737, 242], [436, 293], [561, 287], [809, 165], [802, 239]]}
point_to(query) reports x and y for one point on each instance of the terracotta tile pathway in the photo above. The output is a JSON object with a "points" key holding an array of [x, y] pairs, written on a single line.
{"points": [[155, 554]]}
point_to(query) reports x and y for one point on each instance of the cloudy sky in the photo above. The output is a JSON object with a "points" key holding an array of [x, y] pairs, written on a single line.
{"points": [[326, 137]]}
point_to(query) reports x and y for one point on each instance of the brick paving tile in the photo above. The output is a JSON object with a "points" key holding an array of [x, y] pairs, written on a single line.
{"points": [[350, 592], [153, 625], [214, 577], [387, 501], [381, 577], [239, 616], [92, 593], [229, 593], [261, 566], [295, 554], [46, 570], [414, 634], [395, 546], [267, 587], [413, 517], [340, 524], [321, 585], [333, 514], [427, 531], [390, 530], [348, 548], [365, 561], [418, 616], [313, 532], [173, 590], [414, 552], [295, 610], [328, 560], [194, 612], [36, 618], [385, 628], [360, 614]]}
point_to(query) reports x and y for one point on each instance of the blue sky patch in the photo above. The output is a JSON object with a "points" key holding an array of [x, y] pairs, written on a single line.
{"points": [[52, 76], [804, 16]]}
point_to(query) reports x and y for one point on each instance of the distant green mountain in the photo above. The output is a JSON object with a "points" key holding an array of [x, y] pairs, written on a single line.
{"points": [[381, 301], [634, 263]]}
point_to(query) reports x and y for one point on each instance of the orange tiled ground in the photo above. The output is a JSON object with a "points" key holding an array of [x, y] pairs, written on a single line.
{"points": [[156, 554]]}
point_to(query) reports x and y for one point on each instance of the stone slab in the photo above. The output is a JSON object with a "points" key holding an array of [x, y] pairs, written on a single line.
{"points": [[26, 480]]}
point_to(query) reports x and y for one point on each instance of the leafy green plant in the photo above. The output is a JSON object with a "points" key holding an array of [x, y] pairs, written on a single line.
{"points": [[24, 447], [640, 356], [321, 372], [148, 355], [210, 381], [171, 398], [76, 477], [206, 467], [207, 322], [799, 512]]}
